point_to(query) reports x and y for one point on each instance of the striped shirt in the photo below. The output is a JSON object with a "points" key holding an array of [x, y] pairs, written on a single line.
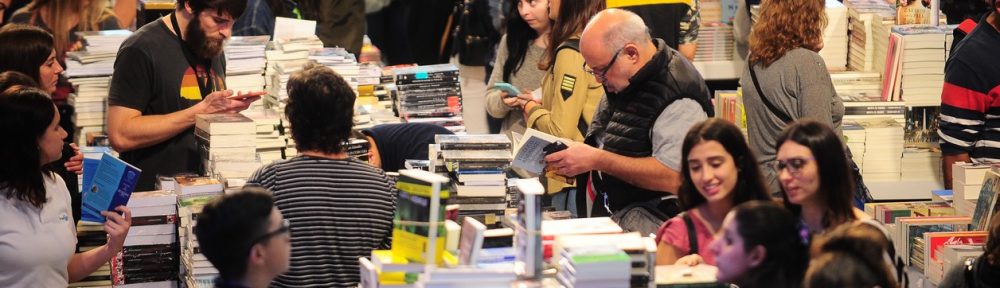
{"points": [[970, 101], [339, 210]]}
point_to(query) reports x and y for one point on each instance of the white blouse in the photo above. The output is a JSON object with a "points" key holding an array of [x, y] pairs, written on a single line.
{"points": [[36, 244]]}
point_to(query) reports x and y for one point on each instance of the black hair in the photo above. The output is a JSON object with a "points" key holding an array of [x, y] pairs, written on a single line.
{"points": [[836, 186], [12, 78], [852, 256], [320, 109], [25, 114], [228, 226], [992, 248], [765, 223], [232, 8], [33, 46], [519, 38], [749, 185]]}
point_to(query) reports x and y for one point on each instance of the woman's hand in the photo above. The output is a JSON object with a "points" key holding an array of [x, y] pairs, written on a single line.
{"points": [[690, 260], [75, 163], [117, 227]]}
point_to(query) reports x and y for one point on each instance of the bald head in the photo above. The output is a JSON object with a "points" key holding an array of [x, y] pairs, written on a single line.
{"points": [[614, 28]]}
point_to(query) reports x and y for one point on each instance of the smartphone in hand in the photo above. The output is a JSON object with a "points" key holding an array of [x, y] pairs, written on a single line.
{"points": [[506, 87]]}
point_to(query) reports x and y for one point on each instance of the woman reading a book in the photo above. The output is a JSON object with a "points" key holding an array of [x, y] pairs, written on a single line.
{"points": [[719, 172], [815, 181], [38, 237], [759, 246], [569, 93], [37, 59], [786, 79], [518, 54]]}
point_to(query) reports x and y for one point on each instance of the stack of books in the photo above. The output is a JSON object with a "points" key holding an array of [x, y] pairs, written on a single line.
{"points": [[729, 106], [922, 164], [908, 234], [151, 243], [858, 85], [861, 108], [464, 277], [228, 146], [88, 237], [835, 37], [89, 70], [929, 260], [917, 67], [192, 194], [271, 140], [358, 148], [887, 213], [594, 266], [478, 165], [430, 94], [986, 203], [715, 42], [341, 61], [950, 256], [883, 149], [864, 40], [245, 64], [854, 137], [640, 250], [418, 233], [288, 57], [967, 182]]}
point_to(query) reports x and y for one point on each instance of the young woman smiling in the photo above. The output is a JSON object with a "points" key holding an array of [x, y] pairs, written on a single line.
{"points": [[719, 172]]}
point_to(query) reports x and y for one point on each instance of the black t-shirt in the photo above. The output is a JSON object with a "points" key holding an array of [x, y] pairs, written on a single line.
{"points": [[398, 142], [153, 76]]}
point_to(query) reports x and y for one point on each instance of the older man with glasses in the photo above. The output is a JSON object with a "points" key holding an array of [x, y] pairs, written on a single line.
{"points": [[653, 96]]}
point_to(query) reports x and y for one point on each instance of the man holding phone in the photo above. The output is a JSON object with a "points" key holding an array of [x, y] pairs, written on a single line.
{"points": [[167, 72]]}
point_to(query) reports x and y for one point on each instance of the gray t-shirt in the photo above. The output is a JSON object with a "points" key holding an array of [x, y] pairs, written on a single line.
{"points": [[668, 130], [797, 84], [527, 78]]}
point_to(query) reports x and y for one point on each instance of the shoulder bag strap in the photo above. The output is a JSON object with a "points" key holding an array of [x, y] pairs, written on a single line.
{"points": [[760, 93], [692, 238]]}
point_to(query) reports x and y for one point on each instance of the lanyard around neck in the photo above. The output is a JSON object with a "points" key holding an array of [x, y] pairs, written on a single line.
{"points": [[207, 86]]}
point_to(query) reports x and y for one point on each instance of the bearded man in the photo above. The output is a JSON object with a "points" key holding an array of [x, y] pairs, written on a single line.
{"points": [[167, 72]]}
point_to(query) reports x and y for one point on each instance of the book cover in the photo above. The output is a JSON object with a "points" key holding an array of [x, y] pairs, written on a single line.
{"points": [[471, 241], [419, 218], [528, 240], [529, 152], [111, 187], [986, 202], [933, 241]]}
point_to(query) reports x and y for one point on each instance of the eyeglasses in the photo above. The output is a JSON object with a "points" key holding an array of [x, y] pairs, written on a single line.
{"points": [[600, 73], [794, 165], [285, 228]]}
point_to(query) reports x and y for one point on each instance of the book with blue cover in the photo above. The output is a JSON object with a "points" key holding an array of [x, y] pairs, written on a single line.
{"points": [[111, 186]]}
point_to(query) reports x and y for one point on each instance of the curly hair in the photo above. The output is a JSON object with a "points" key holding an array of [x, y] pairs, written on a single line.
{"points": [[320, 109], [785, 25]]}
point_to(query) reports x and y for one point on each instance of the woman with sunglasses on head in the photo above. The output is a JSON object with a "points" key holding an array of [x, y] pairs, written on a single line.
{"points": [[38, 237], [569, 94], [815, 181], [519, 52], [719, 172], [786, 79]]}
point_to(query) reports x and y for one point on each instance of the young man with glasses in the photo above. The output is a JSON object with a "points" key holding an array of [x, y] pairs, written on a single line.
{"points": [[653, 97], [245, 237]]}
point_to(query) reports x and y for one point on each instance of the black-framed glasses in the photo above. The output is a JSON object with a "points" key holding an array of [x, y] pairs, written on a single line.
{"points": [[794, 165], [285, 228], [599, 73]]}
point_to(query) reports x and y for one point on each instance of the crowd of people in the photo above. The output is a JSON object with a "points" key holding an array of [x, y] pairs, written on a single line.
{"points": [[773, 209]]}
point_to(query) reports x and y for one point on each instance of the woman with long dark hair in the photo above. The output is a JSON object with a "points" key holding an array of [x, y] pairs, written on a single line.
{"points": [[520, 50], [759, 246], [38, 238], [815, 180], [719, 172]]}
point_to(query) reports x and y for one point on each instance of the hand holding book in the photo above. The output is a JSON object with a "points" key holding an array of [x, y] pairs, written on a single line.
{"points": [[117, 226]]}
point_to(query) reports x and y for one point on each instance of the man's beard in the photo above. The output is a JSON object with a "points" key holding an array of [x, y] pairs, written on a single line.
{"points": [[203, 47]]}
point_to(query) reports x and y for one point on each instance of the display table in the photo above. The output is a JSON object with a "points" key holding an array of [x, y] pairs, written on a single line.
{"points": [[901, 190]]}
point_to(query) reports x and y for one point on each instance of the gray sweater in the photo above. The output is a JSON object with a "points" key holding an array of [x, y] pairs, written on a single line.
{"points": [[526, 79], [798, 84]]}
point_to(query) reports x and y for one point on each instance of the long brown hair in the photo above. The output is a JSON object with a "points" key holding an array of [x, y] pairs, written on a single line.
{"points": [[786, 25], [573, 17], [57, 17]]}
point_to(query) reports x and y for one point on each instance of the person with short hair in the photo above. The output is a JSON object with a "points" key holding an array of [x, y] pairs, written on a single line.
{"points": [[340, 208], [653, 97], [759, 246], [853, 255], [38, 236], [165, 73], [244, 237]]}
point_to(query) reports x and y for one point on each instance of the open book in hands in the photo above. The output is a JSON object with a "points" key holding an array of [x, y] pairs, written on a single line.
{"points": [[530, 150]]}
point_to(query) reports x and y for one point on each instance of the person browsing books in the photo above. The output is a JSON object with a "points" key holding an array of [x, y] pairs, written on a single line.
{"points": [[390, 145], [38, 237], [245, 237], [38, 61], [653, 97], [719, 172], [518, 54], [786, 79], [340, 207], [758, 246], [167, 72], [971, 83]]}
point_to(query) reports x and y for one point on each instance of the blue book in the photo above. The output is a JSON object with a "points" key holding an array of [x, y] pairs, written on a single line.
{"points": [[110, 187]]}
